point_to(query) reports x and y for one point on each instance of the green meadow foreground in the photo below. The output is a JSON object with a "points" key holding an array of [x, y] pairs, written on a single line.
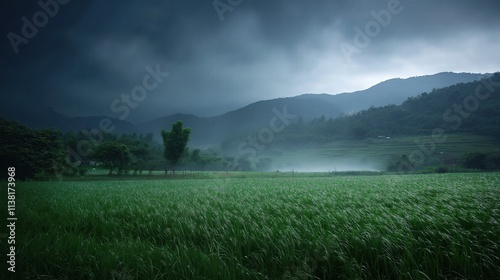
{"points": [[338, 227]]}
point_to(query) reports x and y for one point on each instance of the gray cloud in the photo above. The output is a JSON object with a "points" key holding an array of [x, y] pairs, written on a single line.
{"points": [[92, 52]]}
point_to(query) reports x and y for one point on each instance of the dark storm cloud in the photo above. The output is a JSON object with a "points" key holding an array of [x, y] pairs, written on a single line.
{"points": [[93, 52]]}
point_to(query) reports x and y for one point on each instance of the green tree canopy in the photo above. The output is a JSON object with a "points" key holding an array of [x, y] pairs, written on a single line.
{"points": [[34, 153], [175, 142], [113, 155], [141, 148]]}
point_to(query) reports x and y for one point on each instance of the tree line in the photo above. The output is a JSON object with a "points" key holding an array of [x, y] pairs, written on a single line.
{"points": [[46, 153]]}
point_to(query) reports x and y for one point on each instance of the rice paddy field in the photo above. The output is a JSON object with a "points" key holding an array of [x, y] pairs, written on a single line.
{"points": [[442, 226]]}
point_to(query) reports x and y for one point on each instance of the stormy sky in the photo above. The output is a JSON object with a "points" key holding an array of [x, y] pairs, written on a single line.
{"points": [[85, 57]]}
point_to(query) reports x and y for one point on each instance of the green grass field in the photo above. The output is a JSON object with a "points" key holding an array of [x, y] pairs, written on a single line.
{"points": [[442, 226]]}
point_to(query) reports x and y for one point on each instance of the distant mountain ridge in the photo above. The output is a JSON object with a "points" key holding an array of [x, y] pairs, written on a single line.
{"points": [[468, 108], [246, 121], [396, 91]]}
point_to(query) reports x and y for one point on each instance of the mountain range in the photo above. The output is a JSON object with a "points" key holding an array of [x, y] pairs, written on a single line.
{"points": [[211, 131]]}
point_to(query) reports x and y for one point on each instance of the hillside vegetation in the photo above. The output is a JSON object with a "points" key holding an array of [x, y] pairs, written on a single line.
{"points": [[456, 126], [462, 108]]}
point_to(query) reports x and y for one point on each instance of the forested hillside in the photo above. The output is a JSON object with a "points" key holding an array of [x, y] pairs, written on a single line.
{"points": [[463, 108]]}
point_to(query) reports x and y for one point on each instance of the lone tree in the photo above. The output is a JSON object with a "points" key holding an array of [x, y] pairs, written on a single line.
{"points": [[175, 142]]}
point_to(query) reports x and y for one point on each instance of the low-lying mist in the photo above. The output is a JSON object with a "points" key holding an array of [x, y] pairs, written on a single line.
{"points": [[330, 166]]}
